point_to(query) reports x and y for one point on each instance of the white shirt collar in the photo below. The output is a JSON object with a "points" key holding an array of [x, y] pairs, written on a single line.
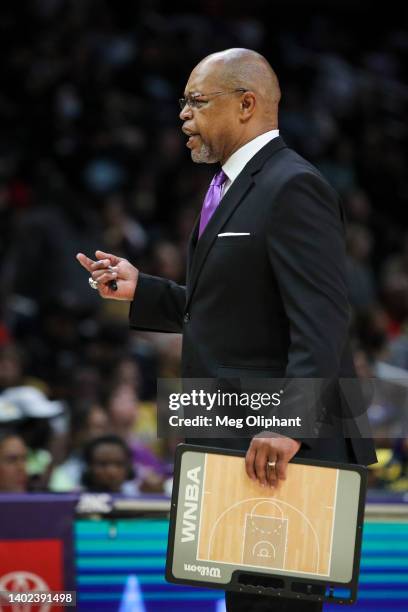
{"points": [[235, 164]]}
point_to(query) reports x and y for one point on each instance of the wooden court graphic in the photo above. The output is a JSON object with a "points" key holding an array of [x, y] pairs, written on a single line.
{"points": [[289, 528]]}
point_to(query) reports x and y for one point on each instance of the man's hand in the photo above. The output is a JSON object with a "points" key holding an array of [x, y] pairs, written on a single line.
{"points": [[274, 449], [107, 268]]}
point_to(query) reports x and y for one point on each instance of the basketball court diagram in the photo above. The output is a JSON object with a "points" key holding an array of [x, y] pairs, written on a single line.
{"points": [[289, 528]]}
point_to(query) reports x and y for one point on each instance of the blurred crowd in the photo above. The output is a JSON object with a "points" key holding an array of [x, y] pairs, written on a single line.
{"points": [[92, 156]]}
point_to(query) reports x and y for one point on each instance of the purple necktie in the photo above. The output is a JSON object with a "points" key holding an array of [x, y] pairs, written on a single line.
{"points": [[211, 200]]}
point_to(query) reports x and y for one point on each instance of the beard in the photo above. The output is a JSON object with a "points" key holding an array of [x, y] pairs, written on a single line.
{"points": [[204, 155]]}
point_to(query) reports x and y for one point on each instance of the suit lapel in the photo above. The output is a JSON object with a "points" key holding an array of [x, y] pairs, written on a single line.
{"points": [[229, 202], [198, 249], [192, 243]]}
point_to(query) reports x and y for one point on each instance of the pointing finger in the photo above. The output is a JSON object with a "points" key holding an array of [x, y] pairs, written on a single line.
{"points": [[85, 261]]}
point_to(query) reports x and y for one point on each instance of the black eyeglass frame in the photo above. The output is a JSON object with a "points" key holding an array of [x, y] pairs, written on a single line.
{"points": [[193, 100]]}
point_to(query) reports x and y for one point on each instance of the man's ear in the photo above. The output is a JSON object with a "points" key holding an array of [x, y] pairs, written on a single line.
{"points": [[247, 105]]}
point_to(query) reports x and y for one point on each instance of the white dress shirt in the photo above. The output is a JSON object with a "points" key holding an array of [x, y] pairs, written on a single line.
{"points": [[235, 164]]}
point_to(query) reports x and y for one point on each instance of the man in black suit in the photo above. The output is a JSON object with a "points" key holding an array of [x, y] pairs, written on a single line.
{"points": [[266, 290]]}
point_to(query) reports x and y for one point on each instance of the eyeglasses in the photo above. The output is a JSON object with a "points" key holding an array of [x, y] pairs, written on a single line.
{"points": [[196, 100]]}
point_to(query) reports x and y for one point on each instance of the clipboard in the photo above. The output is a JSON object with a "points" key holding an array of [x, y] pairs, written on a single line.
{"points": [[301, 540]]}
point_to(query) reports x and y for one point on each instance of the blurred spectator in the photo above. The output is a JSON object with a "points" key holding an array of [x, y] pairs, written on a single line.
{"points": [[40, 423], [358, 207], [13, 458], [362, 364], [87, 383], [108, 466], [167, 261], [60, 231], [391, 472], [123, 410], [360, 275], [370, 326], [11, 369], [339, 167], [88, 421], [398, 352], [123, 234], [394, 292], [34, 423], [398, 262], [127, 372]]}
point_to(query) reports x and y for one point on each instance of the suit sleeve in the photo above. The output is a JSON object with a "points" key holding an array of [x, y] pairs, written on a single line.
{"points": [[306, 249], [158, 305]]}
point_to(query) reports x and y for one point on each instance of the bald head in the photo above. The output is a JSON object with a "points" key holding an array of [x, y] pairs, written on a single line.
{"points": [[231, 98], [236, 68]]}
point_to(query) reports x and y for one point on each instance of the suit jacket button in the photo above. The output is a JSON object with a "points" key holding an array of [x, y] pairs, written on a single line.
{"points": [[186, 317]]}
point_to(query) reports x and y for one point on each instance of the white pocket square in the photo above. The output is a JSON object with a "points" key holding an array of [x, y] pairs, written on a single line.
{"points": [[233, 234]]}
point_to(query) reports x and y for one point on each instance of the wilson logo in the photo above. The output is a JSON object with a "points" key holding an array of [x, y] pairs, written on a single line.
{"points": [[191, 496], [204, 570]]}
